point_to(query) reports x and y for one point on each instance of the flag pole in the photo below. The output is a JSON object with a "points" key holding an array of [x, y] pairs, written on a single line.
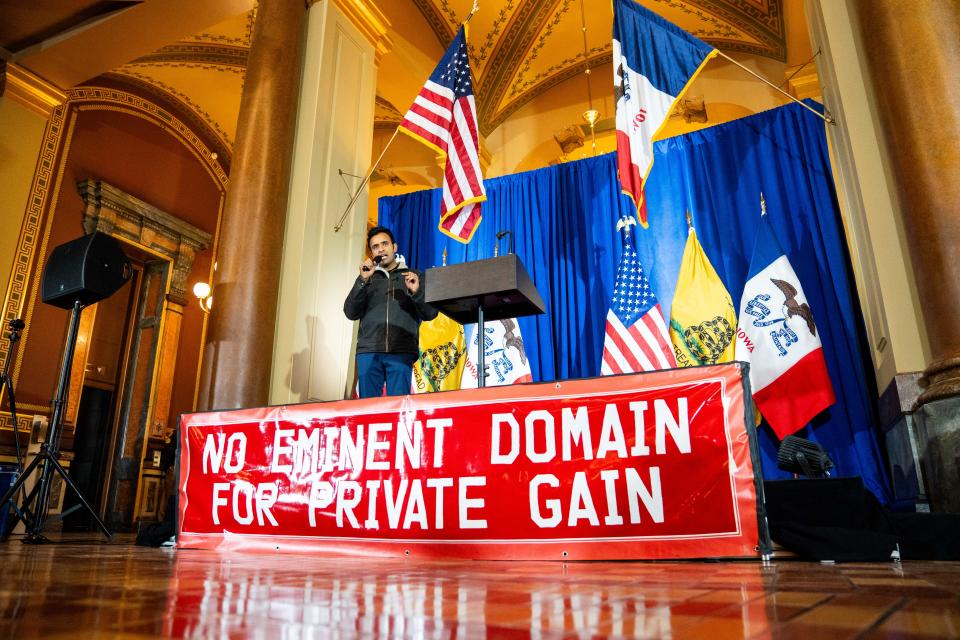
{"points": [[366, 179], [826, 115]]}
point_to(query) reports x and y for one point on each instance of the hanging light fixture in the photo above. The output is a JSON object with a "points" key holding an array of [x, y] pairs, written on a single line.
{"points": [[591, 115]]}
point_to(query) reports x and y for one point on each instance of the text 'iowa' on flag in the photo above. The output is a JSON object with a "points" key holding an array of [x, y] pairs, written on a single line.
{"points": [[653, 63], [636, 336], [777, 336], [444, 116]]}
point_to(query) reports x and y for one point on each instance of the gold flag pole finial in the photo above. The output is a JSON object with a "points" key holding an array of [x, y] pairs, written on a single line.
{"points": [[689, 221], [476, 5], [444, 257], [763, 205]]}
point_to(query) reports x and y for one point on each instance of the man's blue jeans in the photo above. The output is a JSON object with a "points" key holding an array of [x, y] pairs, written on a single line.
{"points": [[376, 369]]}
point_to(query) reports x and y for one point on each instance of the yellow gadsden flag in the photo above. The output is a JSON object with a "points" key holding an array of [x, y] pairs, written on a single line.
{"points": [[702, 318], [442, 354]]}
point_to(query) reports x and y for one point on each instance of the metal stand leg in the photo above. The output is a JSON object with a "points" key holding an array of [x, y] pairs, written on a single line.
{"points": [[482, 348], [34, 518]]}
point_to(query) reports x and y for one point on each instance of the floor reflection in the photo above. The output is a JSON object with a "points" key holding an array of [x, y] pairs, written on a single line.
{"points": [[88, 589]]}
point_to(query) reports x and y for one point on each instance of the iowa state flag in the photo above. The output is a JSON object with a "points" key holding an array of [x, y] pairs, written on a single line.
{"points": [[653, 63], [777, 336], [504, 355]]}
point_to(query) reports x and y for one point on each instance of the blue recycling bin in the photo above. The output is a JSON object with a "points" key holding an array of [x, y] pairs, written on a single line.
{"points": [[8, 476]]}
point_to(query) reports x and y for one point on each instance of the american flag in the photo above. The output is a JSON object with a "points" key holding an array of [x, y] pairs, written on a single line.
{"points": [[444, 116], [637, 338]]}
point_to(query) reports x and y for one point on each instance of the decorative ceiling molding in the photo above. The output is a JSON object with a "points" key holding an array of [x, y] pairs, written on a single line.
{"points": [[30, 90], [88, 97], [547, 81], [761, 19], [238, 41], [534, 52], [479, 57], [438, 24], [520, 34], [180, 107], [508, 59], [200, 53]]}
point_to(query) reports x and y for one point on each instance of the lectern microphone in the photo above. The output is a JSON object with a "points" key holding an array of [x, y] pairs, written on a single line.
{"points": [[501, 234]]}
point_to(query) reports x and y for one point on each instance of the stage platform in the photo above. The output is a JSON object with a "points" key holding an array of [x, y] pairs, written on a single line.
{"points": [[82, 587]]}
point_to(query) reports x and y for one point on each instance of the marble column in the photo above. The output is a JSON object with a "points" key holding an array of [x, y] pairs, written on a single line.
{"points": [[239, 349], [911, 51]]}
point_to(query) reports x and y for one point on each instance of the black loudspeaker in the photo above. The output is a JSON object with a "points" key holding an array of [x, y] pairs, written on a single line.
{"points": [[87, 269]]}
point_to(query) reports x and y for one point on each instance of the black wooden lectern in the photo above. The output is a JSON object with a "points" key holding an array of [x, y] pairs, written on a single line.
{"points": [[491, 289]]}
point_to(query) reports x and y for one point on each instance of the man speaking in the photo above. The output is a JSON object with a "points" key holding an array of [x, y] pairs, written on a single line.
{"points": [[388, 300]]}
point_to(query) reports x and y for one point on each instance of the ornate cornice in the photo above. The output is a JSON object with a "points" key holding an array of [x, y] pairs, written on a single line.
{"points": [[369, 21], [117, 213], [30, 90]]}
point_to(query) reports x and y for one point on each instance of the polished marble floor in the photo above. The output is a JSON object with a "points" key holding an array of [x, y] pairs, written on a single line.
{"points": [[84, 588]]}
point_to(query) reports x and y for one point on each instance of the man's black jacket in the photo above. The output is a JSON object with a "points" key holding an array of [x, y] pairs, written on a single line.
{"points": [[389, 316]]}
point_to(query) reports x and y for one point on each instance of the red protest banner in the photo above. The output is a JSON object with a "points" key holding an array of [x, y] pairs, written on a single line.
{"points": [[653, 465]]}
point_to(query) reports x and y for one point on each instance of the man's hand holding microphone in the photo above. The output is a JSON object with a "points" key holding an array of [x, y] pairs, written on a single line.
{"points": [[367, 267]]}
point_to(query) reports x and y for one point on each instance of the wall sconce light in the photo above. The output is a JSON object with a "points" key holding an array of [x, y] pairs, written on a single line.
{"points": [[202, 291]]}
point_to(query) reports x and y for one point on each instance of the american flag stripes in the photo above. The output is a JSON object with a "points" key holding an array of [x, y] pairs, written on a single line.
{"points": [[636, 337], [444, 116]]}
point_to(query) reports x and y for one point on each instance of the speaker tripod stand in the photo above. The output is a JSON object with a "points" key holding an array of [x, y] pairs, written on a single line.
{"points": [[33, 511]]}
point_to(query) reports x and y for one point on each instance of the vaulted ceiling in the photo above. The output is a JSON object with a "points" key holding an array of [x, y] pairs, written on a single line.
{"points": [[521, 48], [191, 54]]}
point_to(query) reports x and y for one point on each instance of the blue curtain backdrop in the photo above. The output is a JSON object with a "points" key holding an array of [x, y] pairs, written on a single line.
{"points": [[563, 219]]}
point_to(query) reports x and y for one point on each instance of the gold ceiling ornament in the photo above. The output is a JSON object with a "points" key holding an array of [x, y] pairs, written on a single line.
{"points": [[692, 109], [569, 138]]}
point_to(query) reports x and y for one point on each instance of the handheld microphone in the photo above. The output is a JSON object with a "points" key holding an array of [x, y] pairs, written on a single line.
{"points": [[376, 261]]}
